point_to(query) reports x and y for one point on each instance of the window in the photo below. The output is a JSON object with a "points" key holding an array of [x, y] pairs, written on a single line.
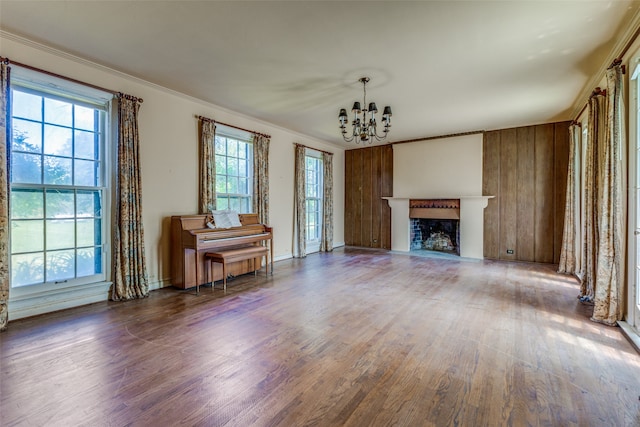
{"points": [[313, 167], [234, 172], [58, 193]]}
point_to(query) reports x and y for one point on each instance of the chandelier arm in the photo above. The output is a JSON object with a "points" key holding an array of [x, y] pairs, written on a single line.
{"points": [[380, 137], [348, 139]]}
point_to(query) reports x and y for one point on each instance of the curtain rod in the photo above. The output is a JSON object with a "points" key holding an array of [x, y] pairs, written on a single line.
{"points": [[206, 119], [311, 148], [49, 73], [597, 91]]}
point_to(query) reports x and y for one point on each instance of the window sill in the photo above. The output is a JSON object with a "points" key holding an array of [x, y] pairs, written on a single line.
{"points": [[35, 303], [631, 335]]}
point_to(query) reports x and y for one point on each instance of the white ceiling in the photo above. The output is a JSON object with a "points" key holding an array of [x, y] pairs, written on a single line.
{"points": [[444, 66]]}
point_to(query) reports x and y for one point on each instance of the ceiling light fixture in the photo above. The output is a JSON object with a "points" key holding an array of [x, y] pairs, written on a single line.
{"points": [[364, 130]]}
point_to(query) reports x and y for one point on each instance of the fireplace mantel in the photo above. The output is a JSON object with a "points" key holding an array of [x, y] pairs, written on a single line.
{"points": [[471, 223]]}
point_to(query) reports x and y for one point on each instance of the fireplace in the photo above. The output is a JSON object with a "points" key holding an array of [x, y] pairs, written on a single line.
{"points": [[470, 215], [435, 225]]}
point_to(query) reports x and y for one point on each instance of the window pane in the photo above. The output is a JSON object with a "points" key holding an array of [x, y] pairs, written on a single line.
{"points": [[57, 170], [232, 185], [27, 136], [27, 204], [638, 198], [85, 118], [234, 203], [89, 261], [232, 148], [88, 204], [27, 105], [221, 147], [222, 203], [57, 141], [638, 177], [26, 168], [242, 150], [221, 165], [61, 234], [221, 183], [60, 204], [232, 166], [27, 236], [61, 265], [55, 144], [86, 173], [85, 145], [89, 232], [27, 269], [57, 112], [245, 205], [243, 186], [233, 170]]}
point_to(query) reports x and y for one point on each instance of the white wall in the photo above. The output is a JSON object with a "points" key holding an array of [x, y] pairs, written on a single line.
{"points": [[169, 152], [439, 168]]}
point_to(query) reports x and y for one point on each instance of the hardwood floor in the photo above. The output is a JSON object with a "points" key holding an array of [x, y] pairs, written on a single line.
{"points": [[355, 337]]}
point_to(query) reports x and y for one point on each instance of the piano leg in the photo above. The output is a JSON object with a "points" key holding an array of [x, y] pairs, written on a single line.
{"points": [[197, 280]]}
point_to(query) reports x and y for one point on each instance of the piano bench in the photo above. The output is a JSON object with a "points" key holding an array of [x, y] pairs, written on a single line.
{"points": [[235, 255]]}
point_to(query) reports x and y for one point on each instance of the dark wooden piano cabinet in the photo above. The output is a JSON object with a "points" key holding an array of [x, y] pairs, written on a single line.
{"points": [[191, 239]]}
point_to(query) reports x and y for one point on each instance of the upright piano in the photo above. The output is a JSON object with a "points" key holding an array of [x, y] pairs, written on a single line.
{"points": [[191, 239]]}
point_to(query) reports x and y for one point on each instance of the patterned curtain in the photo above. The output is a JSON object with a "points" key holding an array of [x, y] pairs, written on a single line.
{"points": [[300, 209], [261, 177], [592, 193], [207, 166], [326, 243], [568, 254], [608, 300], [129, 265], [4, 193]]}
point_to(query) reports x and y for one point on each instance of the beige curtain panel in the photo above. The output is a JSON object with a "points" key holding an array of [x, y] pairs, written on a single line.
{"points": [[567, 263], [261, 177], [4, 195], [608, 298], [207, 166], [591, 195], [326, 241], [129, 264], [300, 208]]}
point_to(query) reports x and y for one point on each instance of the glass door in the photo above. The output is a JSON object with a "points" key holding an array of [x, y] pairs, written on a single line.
{"points": [[633, 295]]}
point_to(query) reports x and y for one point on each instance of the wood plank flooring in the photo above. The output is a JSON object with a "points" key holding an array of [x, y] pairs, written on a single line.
{"points": [[355, 337]]}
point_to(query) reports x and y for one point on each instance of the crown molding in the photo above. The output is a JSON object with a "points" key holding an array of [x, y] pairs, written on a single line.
{"points": [[623, 42], [79, 60]]}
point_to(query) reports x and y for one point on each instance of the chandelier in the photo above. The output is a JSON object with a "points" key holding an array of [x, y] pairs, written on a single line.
{"points": [[364, 129]]}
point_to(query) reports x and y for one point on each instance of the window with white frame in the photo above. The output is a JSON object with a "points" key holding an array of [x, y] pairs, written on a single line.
{"points": [[234, 173], [59, 197], [313, 168]]}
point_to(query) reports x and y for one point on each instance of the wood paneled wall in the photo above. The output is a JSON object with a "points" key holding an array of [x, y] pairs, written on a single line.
{"points": [[526, 169], [368, 178]]}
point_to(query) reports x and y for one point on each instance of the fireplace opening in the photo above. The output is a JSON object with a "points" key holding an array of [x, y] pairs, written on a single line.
{"points": [[441, 235], [435, 225]]}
